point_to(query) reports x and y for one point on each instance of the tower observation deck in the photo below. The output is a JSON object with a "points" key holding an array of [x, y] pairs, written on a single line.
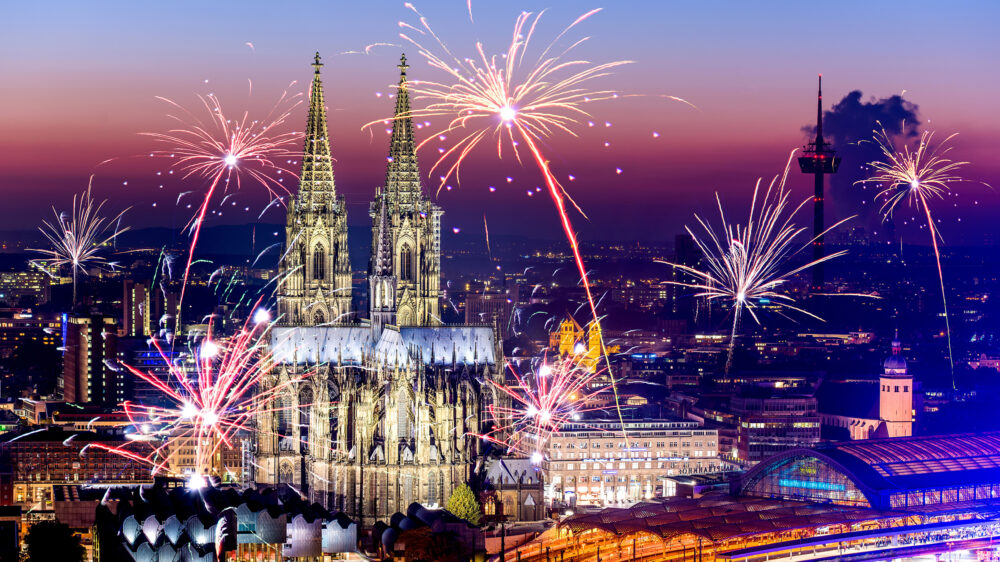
{"points": [[818, 159]]}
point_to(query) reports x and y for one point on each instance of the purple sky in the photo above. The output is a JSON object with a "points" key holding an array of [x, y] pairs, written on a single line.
{"points": [[80, 80]]}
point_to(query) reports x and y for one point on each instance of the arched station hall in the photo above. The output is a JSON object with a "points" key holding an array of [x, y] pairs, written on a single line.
{"points": [[899, 497]]}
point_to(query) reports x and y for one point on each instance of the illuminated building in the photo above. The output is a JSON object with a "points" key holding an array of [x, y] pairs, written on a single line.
{"points": [[22, 326], [19, 286], [818, 159], [869, 408], [573, 339], [316, 267], [875, 499], [518, 488], [37, 462], [488, 307], [135, 309], [91, 348], [769, 424], [213, 524], [593, 464], [391, 416]]}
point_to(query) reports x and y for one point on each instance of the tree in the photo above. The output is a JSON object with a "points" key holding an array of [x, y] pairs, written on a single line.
{"points": [[50, 540], [464, 505]]}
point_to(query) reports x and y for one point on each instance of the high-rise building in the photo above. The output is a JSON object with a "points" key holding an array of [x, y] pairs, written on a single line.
{"points": [[19, 286], [20, 327], [770, 424], [389, 413], [91, 349], [164, 307], [135, 309]]}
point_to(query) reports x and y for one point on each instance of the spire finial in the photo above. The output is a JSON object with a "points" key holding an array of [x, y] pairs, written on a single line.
{"points": [[316, 62], [819, 113], [402, 66]]}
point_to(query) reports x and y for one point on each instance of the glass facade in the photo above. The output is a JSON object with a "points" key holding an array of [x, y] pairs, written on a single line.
{"points": [[805, 478]]}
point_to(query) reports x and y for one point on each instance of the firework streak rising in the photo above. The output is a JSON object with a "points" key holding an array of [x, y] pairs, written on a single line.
{"points": [[542, 401], [205, 407], [226, 151], [917, 176], [744, 264], [76, 240], [511, 99]]}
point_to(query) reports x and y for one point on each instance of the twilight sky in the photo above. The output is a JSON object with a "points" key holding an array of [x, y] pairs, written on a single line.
{"points": [[79, 81]]}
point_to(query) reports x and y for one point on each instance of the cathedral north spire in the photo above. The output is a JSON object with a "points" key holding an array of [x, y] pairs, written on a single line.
{"points": [[402, 175]]}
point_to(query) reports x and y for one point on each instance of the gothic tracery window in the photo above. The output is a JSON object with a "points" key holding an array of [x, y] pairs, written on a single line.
{"points": [[283, 407], [405, 263], [305, 411], [285, 473], [319, 263], [432, 488]]}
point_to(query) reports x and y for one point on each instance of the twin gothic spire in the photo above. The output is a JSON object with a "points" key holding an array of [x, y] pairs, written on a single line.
{"points": [[405, 228]]}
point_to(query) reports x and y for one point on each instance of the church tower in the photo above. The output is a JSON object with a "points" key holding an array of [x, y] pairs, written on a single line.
{"points": [[315, 286], [381, 281], [414, 223], [896, 394]]}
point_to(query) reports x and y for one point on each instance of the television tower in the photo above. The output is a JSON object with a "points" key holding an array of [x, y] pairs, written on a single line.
{"points": [[818, 159]]}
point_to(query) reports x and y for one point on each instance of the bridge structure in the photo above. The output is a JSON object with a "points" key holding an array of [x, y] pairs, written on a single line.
{"points": [[860, 500]]}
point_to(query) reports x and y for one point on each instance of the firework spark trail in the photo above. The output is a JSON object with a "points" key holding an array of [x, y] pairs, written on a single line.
{"points": [[220, 149], [486, 230], [209, 406], [745, 264], [512, 100], [76, 241], [542, 401], [915, 176]]}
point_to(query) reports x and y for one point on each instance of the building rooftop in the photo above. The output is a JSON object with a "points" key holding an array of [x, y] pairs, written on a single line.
{"points": [[884, 472], [719, 517], [906, 461]]}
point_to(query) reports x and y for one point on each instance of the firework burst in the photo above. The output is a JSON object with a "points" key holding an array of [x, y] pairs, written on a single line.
{"points": [[541, 402], [77, 240], [226, 151], [745, 264], [917, 177], [206, 401], [508, 100]]}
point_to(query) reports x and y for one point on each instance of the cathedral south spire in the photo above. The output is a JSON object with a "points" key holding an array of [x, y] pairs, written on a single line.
{"points": [[402, 175], [413, 220], [317, 167], [315, 272]]}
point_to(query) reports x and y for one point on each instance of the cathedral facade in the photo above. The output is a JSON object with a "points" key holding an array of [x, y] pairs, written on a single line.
{"points": [[393, 404]]}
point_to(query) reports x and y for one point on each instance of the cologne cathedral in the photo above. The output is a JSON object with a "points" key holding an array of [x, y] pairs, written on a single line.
{"points": [[392, 413]]}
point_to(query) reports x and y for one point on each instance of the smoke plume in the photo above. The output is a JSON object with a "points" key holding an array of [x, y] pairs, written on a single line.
{"points": [[849, 126]]}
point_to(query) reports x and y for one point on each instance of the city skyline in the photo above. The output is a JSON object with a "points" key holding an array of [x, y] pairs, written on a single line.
{"points": [[749, 115], [499, 281]]}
